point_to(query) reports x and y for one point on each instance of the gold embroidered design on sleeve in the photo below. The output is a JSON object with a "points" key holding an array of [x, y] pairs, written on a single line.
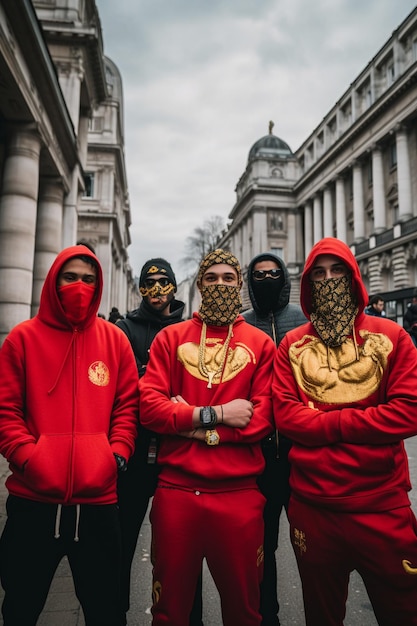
{"points": [[408, 569], [333, 375]]}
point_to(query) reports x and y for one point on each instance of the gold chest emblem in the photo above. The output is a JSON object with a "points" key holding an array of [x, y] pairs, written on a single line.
{"points": [[236, 359], [98, 374], [333, 375]]}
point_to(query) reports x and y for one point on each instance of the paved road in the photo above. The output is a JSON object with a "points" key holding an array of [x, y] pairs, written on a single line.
{"points": [[62, 608]]}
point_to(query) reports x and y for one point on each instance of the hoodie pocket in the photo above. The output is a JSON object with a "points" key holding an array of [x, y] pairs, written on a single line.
{"points": [[48, 468], [94, 466]]}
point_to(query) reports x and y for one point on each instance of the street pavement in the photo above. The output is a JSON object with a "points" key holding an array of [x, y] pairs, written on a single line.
{"points": [[63, 609]]}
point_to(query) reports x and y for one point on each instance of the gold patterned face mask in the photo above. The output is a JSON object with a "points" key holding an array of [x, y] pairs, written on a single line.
{"points": [[154, 287], [220, 304], [334, 308]]}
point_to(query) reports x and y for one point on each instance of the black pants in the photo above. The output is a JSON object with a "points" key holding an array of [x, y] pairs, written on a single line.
{"points": [[30, 555], [274, 484], [135, 488]]}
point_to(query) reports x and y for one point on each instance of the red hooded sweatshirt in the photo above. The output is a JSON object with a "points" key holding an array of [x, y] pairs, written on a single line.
{"points": [[347, 409], [173, 370], [68, 400]]}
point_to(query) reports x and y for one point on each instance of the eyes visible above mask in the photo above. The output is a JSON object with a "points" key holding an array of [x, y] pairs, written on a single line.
{"points": [[151, 282], [262, 274]]}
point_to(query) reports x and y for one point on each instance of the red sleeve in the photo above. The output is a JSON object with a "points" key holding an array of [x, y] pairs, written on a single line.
{"points": [[157, 411], [124, 418]]}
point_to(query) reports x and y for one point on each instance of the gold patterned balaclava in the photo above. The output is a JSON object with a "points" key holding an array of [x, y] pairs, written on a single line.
{"points": [[334, 309], [220, 304], [149, 287]]}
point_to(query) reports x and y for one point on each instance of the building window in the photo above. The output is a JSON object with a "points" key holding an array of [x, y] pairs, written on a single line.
{"points": [[278, 252], [89, 185]]}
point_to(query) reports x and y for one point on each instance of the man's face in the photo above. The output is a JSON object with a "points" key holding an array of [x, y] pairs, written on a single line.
{"points": [[379, 306], [157, 286], [328, 266], [266, 269], [220, 274], [75, 270]]}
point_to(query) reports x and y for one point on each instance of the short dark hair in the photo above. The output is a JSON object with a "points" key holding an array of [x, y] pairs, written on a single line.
{"points": [[375, 299]]}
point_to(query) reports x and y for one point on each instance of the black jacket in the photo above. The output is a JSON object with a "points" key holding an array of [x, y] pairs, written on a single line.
{"points": [[141, 327]]}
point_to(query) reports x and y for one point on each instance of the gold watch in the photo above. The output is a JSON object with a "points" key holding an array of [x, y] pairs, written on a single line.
{"points": [[212, 438]]}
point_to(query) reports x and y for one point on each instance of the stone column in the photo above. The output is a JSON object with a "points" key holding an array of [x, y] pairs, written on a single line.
{"points": [[318, 218], [260, 229], [308, 229], [378, 190], [48, 234], [341, 229], [18, 206], [358, 204], [403, 176], [327, 213]]}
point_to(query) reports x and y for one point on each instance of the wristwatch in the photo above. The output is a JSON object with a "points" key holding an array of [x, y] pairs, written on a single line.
{"points": [[208, 417], [212, 438]]}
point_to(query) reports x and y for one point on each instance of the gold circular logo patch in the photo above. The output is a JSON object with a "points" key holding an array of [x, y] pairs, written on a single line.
{"points": [[98, 374]]}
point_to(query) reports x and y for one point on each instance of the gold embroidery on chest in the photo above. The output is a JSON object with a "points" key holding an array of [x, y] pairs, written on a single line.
{"points": [[236, 360], [98, 374], [334, 375]]}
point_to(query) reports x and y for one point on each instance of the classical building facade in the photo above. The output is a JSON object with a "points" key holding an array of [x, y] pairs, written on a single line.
{"points": [[53, 80], [354, 177]]}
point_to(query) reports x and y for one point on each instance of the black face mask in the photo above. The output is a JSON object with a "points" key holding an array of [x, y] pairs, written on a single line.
{"points": [[267, 293]]}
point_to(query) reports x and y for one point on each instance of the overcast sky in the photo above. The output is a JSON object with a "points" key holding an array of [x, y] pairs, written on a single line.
{"points": [[202, 79]]}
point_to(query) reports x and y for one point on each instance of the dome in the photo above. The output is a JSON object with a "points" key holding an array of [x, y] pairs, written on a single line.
{"points": [[269, 147]]}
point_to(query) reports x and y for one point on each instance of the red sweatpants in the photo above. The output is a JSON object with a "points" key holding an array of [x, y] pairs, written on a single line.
{"points": [[329, 546], [227, 530]]}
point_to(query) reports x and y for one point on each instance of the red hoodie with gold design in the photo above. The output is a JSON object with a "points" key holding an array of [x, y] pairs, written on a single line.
{"points": [[173, 370], [68, 400], [347, 409]]}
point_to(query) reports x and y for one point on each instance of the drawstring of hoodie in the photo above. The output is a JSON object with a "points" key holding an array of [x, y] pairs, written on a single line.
{"points": [[58, 522], [62, 364], [355, 343]]}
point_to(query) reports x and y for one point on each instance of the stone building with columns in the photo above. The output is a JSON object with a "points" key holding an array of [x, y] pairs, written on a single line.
{"points": [[354, 177], [53, 79]]}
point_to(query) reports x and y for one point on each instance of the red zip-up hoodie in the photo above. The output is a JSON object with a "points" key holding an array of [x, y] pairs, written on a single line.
{"points": [[347, 409], [68, 400]]}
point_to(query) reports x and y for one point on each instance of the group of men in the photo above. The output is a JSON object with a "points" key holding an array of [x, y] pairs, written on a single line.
{"points": [[225, 419]]}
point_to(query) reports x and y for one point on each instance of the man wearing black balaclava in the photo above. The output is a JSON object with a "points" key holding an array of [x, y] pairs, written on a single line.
{"points": [[269, 290]]}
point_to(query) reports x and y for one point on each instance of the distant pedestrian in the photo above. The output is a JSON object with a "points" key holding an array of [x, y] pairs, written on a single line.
{"points": [[68, 422], [115, 315], [410, 318], [376, 307]]}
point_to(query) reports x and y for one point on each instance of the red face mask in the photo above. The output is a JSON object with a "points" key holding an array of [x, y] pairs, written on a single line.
{"points": [[76, 299]]}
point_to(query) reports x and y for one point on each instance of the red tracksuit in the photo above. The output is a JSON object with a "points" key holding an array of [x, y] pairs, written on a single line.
{"points": [[207, 504]]}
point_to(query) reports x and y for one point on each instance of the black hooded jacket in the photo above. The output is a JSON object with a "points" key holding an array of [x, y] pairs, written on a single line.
{"points": [[141, 326], [285, 316]]}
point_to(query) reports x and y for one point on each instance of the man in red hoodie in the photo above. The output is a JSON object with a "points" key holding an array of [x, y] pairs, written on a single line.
{"points": [[68, 421], [344, 392], [207, 392]]}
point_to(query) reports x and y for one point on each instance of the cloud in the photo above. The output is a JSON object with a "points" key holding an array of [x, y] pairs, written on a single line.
{"points": [[201, 81]]}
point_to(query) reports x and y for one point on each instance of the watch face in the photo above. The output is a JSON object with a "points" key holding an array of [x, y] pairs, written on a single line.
{"points": [[205, 415], [212, 437]]}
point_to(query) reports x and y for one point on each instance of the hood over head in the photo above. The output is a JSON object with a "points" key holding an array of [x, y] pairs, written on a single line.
{"points": [[50, 308], [218, 257], [157, 266], [331, 245], [283, 285]]}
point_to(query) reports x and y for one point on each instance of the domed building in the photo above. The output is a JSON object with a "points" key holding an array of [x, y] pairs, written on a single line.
{"points": [[264, 216]]}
